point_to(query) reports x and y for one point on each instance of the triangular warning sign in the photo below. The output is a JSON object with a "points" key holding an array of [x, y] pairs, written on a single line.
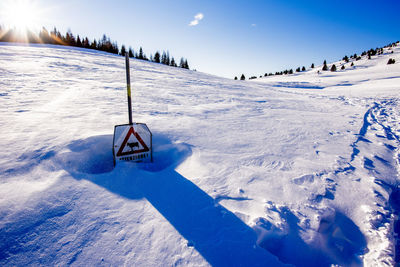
{"points": [[133, 144]]}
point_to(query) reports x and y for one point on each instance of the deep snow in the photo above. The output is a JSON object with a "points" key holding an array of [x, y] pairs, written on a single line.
{"points": [[298, 169]]}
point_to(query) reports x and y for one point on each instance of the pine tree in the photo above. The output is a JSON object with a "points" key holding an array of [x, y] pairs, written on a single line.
{"points": [[130, 52], [86, 43], [94, 44], [333, 68], [123, 50], [182, 63], [157, 57], [342, 67], [298, 69], [140, 56], [352, 64], [186, 64], [163, 58], [325, 67], [346, 59], [167, 59], [78, 42], [312, 65], [242, 77], [303, 69], [172, 63], [235, 78]]}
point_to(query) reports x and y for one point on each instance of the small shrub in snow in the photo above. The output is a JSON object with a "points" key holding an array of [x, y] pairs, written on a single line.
{"points": [[352, 64], [391, 61], [242, 77], [342, 67], [235, 77]]}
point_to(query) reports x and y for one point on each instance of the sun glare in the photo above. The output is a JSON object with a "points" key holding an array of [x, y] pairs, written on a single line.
{"points": [[20, 14]]}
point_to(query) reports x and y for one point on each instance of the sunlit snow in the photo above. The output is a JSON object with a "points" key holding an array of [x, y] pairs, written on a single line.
{"points": [[298, 169]]}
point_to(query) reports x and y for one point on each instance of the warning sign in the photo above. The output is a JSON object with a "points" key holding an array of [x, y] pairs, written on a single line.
{"points": [[132, 142]]}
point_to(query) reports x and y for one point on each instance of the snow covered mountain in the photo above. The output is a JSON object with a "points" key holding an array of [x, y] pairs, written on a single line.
{"points": [[299, 170]]}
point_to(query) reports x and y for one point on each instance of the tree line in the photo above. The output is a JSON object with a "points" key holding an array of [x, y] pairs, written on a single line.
{"points": [[103, 44], [346, 59]]}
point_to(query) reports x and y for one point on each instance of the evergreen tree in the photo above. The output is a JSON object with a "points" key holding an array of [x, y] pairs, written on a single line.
{"points": [[86, 43], [94, 44], [333, 68], [78, 42], [303, 69], [70, 39], [291, 71], [167, 59], [173, 63], [157, 57], [235, 78], [242, 77], [352, 64], [164, 58], [298, 69], [123, 50], [346, 59], [182, 63], [130, 52], [343, 67], [391, 61], [325, 67], [186, 64], [140, 56], [312, 65]]}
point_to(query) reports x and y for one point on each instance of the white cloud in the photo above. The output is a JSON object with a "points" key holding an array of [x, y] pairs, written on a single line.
{"points": [[199, 16], [197, 19]]}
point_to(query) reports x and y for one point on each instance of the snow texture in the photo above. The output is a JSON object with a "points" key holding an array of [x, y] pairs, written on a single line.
{"points": [[285, 170]]}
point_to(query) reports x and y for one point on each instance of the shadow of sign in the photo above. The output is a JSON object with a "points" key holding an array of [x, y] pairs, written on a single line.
{"points": [[215, 232]]}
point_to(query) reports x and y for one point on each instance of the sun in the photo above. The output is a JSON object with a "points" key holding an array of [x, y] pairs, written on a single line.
{"points": [[20, 14]]}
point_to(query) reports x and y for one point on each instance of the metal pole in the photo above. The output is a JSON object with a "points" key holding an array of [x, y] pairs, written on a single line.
{"points": [[128, 86]]}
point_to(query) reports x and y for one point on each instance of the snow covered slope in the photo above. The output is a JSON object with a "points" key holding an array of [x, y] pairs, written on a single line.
{"points": [[299, 170]]}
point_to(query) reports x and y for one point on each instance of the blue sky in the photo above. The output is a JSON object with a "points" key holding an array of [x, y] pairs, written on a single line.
{"points": [[233, 37]]}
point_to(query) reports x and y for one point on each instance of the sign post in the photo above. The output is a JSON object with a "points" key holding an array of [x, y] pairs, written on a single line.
{"points": [[133, 141], [128, 87]]}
